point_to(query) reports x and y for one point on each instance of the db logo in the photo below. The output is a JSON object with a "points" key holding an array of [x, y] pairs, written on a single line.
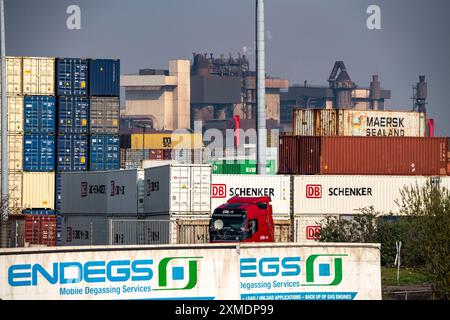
{"points": [[314, 191], [312, 232], [219, 190]]}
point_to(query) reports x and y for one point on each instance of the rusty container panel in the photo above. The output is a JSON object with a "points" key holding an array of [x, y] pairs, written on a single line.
{"points": [[304, 122], [384, 156], [328, 122], [299, 155]]}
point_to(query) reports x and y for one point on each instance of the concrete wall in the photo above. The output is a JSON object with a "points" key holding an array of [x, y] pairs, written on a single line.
{"points": [[182, 93]]}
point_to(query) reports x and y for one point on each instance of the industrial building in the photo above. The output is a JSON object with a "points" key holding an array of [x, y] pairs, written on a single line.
{"points": [[161, 97]]}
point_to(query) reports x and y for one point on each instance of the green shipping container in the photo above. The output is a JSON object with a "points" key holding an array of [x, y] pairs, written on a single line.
{"points": [[240, 167]]}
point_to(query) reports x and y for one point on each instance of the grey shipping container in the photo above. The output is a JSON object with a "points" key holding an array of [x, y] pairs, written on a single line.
{"points": [[104, 115], [101, 193]]}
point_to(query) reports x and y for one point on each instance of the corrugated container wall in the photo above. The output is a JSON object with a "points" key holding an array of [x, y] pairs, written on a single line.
{"points": [[104, 77], [15, 114], [14, 76], [38, 76], [39, 114], [313, 122], [72, 77], [363, 155], [15, 191], [104, 152], [39, 152], [73, 115], [277, 187], [100, 193], [41, 229], [15, 152], [166, 141], [104, 115], [307, 227], [38, 190], [178, 189], [72, 152]]}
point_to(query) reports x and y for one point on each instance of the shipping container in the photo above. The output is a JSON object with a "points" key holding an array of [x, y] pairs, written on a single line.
{"points": [[39, 114], [14, 191], [348, 194], [240, 167], [178, 189], [40, 229], [15, 152], [277, 187], [72, 77], [123, 159], [39, 152], [370, 123], [104, 77], [38, 190], [39, 212], [15, 115], [14, 76], [104, 153], [282, 229], [166, 141], [39, 76], [73, 115], [72, 152], [101, 193], [307, 227], [104, 115], [58, 193], [363, 156]]}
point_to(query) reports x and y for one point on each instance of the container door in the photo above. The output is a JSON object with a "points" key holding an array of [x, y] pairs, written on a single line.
{"points": [[282, 231], [15, 114], [14, 76], [192, 231], [200, 189], [180, 184]]}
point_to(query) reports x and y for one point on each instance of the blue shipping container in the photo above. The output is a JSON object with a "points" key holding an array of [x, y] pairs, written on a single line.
{"points": [[39, 152], [73, 115], [104, 77], [104, 153], [39, 114], [72, 77], [39, 211], [72, 152]]}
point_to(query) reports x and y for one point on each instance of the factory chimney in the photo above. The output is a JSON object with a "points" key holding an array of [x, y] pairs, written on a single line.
{"points": [[375, 93], [261, 90]]}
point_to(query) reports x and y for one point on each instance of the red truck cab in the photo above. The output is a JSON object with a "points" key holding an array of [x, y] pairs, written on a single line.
{"points": [[243, 219]]}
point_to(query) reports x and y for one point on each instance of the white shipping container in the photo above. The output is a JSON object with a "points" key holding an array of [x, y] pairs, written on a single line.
{"points": [[348, 194], [226, 186], [178, 189], [38, 190], [14, 191], [306, 227], [221, 272], [38, 76], [13, 75], [102, 193]]}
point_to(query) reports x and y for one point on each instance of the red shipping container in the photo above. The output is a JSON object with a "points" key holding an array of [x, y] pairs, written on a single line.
{"points": [[364, 156], [41, 229]]}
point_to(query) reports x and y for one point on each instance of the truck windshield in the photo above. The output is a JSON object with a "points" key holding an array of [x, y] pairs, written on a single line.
{"points": [[228, 227]]}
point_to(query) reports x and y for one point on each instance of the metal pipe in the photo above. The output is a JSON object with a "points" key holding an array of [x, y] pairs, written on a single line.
{"points": [[261, 90], [4, 139]]}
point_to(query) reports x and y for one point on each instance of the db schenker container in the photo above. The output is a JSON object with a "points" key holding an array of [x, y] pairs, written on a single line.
{"points": [[363, 155], [38, 76], [104, 77], [73, 115], [72, 152], [39, 114], [72, 77], [104, 115], [104, 153], [106, 193], [39, 152], [38, 191]]}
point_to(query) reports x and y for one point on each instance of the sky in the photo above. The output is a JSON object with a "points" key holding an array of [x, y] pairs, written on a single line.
{"points": [[303, 38]]}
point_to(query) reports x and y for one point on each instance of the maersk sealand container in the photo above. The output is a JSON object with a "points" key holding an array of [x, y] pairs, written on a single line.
{"points": [[72, 77], [104, 77], [72, 152], [73, 114], [39, 153], [104, 152], [39, 114]]}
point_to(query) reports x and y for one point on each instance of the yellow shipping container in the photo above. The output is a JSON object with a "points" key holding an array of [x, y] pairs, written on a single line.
{"points": [[166, 141], [38, 76], [15, 114], [15, 152], [14, 75], [15, 191], [38, 190]]}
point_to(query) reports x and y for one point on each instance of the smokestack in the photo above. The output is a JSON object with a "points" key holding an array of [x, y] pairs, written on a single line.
{"points": [[260, 90], [375, 92], [422, 94]]}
